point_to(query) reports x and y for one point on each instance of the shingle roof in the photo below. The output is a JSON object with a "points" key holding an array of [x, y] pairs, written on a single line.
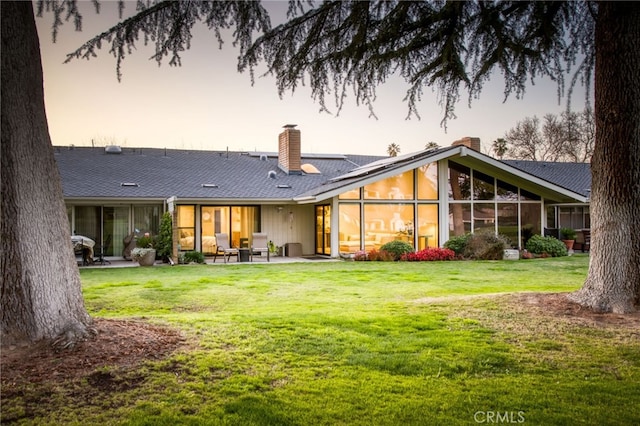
{"points": [[573, 176], [160, 173], [89, 172]]}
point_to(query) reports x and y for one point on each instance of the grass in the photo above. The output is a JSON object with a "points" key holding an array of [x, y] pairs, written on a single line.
{"points": [[360, 343]]}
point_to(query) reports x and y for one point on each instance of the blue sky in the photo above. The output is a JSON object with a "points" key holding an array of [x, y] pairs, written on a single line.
{"points": [[206, 104]]}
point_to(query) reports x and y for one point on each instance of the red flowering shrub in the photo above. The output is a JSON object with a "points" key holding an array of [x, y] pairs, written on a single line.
{"points": [[430, 254]]}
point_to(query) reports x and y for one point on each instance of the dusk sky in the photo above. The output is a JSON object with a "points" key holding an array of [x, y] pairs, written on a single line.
{"points": [[206, 104]]}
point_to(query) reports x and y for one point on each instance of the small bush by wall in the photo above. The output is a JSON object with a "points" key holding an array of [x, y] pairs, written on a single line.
{"points": [[458, 244], [193, 256], [397, 248], [550, 246]]}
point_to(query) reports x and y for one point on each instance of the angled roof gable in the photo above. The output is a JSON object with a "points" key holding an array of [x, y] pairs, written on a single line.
{"points": [[393, 166]]}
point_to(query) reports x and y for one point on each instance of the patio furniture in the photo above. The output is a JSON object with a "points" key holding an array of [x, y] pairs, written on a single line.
{"points": [[224, 248], [102, 250], [84, 246], [259, 245]]}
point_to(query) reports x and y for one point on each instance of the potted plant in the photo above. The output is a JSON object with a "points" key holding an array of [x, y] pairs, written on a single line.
{"points": [[274, 250], [144, 253], [568, 236]]}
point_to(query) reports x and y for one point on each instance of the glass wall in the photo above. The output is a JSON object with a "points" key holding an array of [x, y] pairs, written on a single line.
{"points": [[392, 209], [478, 202], [110, 225]]}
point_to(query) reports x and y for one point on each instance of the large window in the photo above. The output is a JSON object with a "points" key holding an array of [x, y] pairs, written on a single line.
{"points": [[239, 222], [577, 217], [349, 227], [387, 222], [478, 202], [427, 226]]}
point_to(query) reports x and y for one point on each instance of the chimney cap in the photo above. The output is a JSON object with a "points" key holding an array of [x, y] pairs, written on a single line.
{"points": [[289, 126]]}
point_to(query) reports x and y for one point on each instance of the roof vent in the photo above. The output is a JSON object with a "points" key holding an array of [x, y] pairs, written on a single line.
{"points": [[134, 184], [210, 185], [263, 157], [271, 174], [113, 149], [283, 185]]}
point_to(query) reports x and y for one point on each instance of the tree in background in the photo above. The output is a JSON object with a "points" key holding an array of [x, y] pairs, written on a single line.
{"points": [[393, 149], [431, 145], [499, 147], [568, 137]]}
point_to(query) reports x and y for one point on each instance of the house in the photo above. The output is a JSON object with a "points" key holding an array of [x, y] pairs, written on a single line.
{"points": [[313, 203]]}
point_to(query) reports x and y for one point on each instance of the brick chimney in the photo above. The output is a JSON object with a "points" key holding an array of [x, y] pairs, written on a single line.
{"points": [[289, 150], [473, 143]]}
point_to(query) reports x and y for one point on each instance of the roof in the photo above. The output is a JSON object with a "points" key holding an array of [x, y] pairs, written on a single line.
{"points": [[89, 172], [573, 176], [245, 177]]}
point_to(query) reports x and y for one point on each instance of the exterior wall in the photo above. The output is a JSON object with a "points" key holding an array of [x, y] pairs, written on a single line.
{"points": [[290, 223]]}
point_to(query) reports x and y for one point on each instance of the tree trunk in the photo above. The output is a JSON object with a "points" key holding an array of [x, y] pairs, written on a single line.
{"points": [[41, 295], [613, 282]]}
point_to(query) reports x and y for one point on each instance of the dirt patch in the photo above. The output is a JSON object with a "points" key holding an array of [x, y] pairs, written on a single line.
{"points": [[558, 305], [119, 344]]}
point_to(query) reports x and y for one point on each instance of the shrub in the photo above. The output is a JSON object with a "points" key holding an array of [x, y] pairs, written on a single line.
{"points": [[380, 255], [164, 241], [193, 257], [458, 244], [550, 246], [486, 246], [430, 254], [397, 248]]}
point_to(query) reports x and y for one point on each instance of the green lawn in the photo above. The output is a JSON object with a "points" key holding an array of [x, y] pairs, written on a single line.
{"points": [[360, 343]]}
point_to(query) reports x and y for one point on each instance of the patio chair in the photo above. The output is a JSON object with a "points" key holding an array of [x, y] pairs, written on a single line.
{"points": [[102, 251], [259, 245], [224, 248]]}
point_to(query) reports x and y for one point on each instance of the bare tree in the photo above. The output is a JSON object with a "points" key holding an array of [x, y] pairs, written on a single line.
{"points": [[568, 137]]}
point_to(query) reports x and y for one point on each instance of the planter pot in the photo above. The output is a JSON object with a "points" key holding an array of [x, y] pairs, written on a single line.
{"points": [[569, 244], [148, 259]]}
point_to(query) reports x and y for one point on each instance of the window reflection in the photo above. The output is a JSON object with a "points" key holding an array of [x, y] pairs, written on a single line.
{"points": [[427, 181], [398, 187], [427, 226], [483, 186], [459, 182], [349, 228], [387, 222], [508, 221]]}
